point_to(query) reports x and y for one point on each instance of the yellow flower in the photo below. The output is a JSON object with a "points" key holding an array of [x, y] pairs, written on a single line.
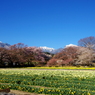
{"points": [[88, 93], [72, 92]]}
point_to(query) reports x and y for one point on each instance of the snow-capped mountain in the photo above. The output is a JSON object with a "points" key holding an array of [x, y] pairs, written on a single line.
{"points": [[50, 50], [54, 51], [47, 49], [71, 45], [44, 49], [4, 45]]}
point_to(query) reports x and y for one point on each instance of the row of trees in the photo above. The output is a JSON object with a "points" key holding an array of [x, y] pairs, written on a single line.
{"points": [[83, 54], [21, 55]]}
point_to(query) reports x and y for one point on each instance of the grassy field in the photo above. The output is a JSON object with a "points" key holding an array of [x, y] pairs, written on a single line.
{"points": [[51, 82]]}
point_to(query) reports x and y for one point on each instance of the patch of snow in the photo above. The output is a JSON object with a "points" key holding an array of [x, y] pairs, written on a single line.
{"points": [[50, 50], [70, 45]]}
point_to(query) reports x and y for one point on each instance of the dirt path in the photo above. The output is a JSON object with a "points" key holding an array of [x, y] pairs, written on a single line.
{"points": [[17, 92]]}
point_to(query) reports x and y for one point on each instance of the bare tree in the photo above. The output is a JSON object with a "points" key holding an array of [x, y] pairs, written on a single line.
{"points": [[88, 42], [85, 56]]}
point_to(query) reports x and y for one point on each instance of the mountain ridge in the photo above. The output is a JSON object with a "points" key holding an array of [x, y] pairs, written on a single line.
{"points": [[50, 50], [43, 48], [4, 45]]}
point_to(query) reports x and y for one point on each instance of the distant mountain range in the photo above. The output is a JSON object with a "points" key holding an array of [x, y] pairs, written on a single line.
{"points": [[4, 45], [51, 50], [44, 49]]}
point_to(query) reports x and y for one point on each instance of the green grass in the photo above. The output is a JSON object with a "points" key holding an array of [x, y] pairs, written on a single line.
{"points": [[52, 82]]}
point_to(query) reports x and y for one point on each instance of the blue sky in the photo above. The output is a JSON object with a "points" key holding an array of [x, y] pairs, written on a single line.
{"points": [[51, 23]]}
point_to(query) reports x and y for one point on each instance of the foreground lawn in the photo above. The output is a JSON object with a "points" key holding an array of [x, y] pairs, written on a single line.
{"points": [[52, 82]]}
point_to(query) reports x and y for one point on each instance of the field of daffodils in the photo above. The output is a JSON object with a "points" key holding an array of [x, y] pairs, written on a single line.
{"points": [[49, 82]]}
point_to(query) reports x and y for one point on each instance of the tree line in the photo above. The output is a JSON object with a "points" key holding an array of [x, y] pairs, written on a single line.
{"points": [[81, 55], [21, 55]]}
